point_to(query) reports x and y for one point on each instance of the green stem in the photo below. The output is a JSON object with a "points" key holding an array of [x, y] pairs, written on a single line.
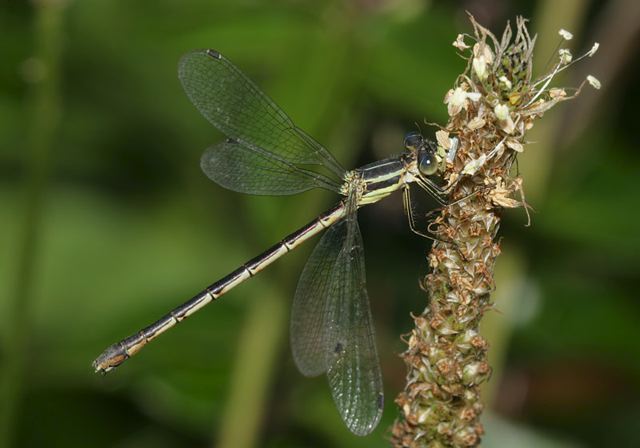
{"points": [[260, 343], [45, 116]]}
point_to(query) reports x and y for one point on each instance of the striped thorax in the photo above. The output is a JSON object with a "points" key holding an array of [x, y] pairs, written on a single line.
{"points": [[379, 179]]}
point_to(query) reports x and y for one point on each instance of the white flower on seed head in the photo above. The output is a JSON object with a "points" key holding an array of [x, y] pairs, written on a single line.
{"points": [[458, 99], [474, 165], [595, 83], [566, 35], [481, 49], [505, 82], [593, 49], [480, 68], [474, 96], [459, 43], [504, 118], [565, 56], [501, 111]]}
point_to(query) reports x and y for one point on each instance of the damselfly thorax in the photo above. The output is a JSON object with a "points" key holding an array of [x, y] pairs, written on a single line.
{"points": [[380, 179], [331, 325]]}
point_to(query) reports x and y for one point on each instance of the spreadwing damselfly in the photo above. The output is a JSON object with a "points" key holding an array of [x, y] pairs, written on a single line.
{"points": [[267, 154]]}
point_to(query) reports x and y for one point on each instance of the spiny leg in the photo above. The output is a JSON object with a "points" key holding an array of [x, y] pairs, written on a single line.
{"points": [[408, 209], [434, 190], [441, 194]]}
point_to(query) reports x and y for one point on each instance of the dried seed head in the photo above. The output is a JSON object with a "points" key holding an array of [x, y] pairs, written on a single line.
{"points": [[491, 106]]}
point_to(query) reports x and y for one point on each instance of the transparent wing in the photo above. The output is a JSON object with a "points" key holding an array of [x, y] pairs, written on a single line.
{"points": [[238, 168], [331, 325], [309, 329], [354, 370], [238, 108]]}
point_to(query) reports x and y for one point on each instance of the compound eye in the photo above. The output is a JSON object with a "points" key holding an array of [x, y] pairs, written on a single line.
{"points": [[427, 163], [413, 140]]}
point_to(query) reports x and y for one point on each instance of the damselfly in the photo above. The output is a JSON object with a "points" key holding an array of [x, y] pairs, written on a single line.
{"points": [[267, 154]]}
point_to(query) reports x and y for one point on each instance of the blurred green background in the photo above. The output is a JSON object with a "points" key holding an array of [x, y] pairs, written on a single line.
{"points": [[106, 222]]}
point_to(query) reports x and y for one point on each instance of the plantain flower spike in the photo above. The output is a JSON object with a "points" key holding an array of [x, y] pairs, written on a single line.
{"points": [[491, 106]]}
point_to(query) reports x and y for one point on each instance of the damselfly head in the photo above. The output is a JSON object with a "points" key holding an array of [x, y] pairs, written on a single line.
{"points": [[413, 140], [424, 152], [427, 162]]}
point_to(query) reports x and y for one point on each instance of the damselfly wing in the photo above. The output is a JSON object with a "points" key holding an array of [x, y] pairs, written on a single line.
{"points": [[265, 153]]}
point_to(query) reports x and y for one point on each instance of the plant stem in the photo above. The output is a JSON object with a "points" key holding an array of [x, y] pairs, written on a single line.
{"points": [[43, 69]]}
